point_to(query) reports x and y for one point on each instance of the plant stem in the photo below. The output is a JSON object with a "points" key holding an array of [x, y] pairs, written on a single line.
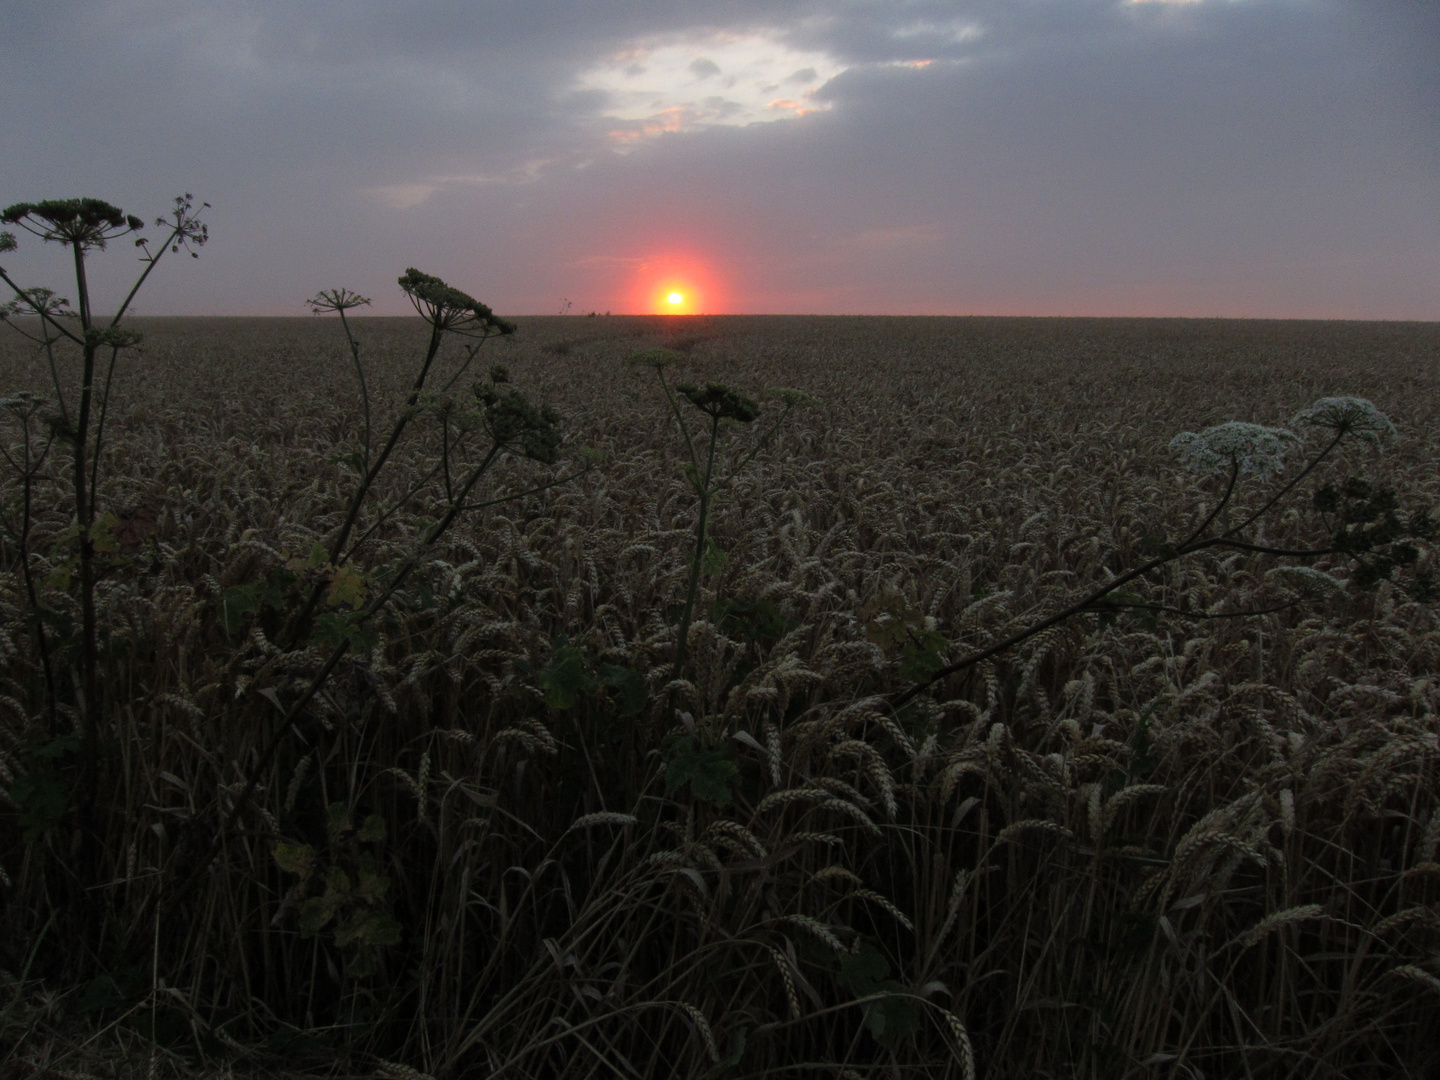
{"points": [[372, 472], [364, 389], [682, 641], [90, 708], [1191, 545]]}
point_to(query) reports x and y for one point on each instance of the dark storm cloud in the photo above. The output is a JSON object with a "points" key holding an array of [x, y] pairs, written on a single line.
{"points": [[1219, 157]]}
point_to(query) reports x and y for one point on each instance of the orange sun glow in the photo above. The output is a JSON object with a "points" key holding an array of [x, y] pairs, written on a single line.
{"points": [[675, 295], [676, 284]]}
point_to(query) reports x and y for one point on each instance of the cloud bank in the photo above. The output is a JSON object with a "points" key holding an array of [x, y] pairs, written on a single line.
{"points": [[1271, 158]]}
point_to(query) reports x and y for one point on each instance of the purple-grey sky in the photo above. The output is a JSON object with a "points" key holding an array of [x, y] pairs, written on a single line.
{"points": [[1272, 158]]}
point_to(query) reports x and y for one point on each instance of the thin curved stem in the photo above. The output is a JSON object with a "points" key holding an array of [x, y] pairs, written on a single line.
{"points": [[45, 316], [1089, 600], [1290, 486], [360, 375]]}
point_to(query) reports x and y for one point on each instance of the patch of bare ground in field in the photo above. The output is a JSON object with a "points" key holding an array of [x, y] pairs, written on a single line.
{"points": [[1164, 840]]}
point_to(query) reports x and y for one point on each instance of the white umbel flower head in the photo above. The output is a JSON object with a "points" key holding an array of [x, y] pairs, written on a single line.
{"points": [[1254, 449], [1350, 416]]}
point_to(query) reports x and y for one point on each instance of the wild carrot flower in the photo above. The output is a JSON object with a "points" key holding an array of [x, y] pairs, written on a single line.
{"points": [[1252, 448], [1349, 416]]}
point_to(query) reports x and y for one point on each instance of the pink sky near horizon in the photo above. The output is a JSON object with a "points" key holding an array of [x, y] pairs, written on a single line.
{"points": [[1212, 158]]}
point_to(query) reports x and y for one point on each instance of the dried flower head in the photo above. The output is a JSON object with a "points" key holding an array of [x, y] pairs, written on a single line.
{"points": [[336, 300], [85, 223], [719, 401], [1349, 416], [37, 301], [657, 358], [447, 308], [793, 398], [23, 404], [186, 228], [1251, 448]]}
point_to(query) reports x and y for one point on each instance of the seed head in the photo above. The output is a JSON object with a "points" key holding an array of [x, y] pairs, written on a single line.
{"points": [[658, 359], [793, 398], [86, 223], [719, 401], [36, 301], [336, 300], [447, 308]]}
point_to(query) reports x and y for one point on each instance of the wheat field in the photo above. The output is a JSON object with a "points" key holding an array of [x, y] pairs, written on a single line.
{"points": [[1147, 845]]}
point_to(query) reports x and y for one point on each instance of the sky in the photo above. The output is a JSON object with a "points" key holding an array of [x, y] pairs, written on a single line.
{"points": [[1235, 158]]}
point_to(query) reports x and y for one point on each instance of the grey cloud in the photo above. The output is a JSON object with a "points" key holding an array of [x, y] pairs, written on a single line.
{"points": [[704, 68], [1248, 157]]}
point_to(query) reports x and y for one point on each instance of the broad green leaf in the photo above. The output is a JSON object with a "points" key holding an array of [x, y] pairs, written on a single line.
{"points": [[370, 927], [737, 1047], [334, 627], [338, 821], [347, 588], [750, 620], [337, 883], [924, 655], [631, 692], [316, 912], [42, 801], [371, 885], [708, 772], [863, 971], [714, 558], [102, 534], [238, 603], [891, 1019], [564, 679], [364, 964], [295, 859], [355, 459], [373, 830]]}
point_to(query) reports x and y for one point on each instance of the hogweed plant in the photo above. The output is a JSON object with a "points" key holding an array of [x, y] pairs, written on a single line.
{"points": [[70, 334], [1363, 521], [722, 408], [329, 599]]}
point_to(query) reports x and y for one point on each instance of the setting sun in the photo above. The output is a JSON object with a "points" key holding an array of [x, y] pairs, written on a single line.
{"points": [[675, 283], [677, 294]]}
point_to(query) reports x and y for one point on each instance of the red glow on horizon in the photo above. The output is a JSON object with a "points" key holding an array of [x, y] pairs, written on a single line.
{"points": [[675, 286]]}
